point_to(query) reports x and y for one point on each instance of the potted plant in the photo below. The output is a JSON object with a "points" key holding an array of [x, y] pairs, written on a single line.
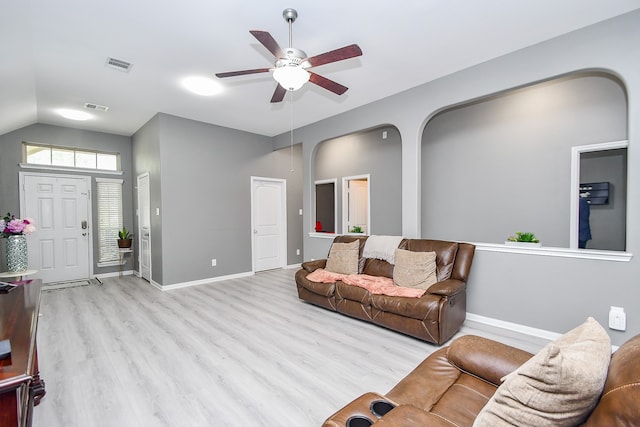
{"points": [[124, 238], [526, 239], [356, 229]]}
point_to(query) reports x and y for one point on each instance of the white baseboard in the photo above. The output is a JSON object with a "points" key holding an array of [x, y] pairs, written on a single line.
{"points": [[515, 327], [201, 282], [293, 266]]}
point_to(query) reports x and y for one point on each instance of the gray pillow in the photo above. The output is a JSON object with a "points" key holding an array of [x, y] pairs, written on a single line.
{"points": [[559, 386]]}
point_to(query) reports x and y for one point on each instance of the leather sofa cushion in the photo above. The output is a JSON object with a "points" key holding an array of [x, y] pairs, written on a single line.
{"points": [[446, 254], [619, 401], [485, 358], [377, 267], [353, 293], [324, 289], [425, 307]]}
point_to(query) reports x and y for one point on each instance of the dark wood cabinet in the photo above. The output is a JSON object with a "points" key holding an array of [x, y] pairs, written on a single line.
{"points": [[20, 385]]}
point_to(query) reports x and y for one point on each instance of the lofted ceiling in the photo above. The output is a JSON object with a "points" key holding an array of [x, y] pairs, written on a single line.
{"points": [[53, 54]]}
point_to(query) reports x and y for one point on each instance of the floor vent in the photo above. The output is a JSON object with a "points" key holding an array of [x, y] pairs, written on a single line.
{"points": [[96, 107], [118, 64]]}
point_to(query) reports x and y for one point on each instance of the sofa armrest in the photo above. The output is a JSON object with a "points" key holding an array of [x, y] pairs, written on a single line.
{"points": [[447, 287], [312, 266], [485, 358], [410, 416]]}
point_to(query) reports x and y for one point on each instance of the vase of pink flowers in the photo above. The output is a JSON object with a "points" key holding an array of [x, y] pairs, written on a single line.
{"points": [[14, 230]]}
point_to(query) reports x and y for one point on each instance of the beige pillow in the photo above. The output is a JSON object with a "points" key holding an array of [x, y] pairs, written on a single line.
{"points": [[414, 269], [559, 386], [343, 258]]}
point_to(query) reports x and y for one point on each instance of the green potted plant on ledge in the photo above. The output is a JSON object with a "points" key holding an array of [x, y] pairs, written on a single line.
{"points": [[523, 239], [356, 229], [124, 238]]}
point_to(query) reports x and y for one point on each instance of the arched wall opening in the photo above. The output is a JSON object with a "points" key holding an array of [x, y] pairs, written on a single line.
{"points": [[502, 164], [373, 153]]}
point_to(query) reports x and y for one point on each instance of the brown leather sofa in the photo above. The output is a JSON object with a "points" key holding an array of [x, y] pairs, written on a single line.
{"points": [[452, 385], [434, 317]]}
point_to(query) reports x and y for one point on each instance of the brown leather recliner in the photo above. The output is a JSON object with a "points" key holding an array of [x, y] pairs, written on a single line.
{"points": [[435, 317], [452, 385]]}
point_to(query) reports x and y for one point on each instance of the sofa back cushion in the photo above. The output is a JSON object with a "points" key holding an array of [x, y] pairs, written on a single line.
{"points": [[378, 267], [445, 254], [618, 405]]}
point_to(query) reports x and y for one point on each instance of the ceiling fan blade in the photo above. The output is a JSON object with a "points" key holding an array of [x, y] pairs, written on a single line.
{"points": [[268, 42], [328, 84], [346, 52], [279, 93], [243, 72]]}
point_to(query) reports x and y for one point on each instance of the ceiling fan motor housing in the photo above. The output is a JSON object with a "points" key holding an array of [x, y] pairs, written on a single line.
{"points": [[295, 57]]}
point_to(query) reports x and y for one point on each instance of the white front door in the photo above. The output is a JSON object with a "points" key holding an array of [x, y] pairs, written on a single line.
{"points": [[144, 226], [59, 205], [269, 221]]}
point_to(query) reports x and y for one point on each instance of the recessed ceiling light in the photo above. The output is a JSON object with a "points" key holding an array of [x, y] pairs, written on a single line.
{"points": [[74, 114], [202, 85]]}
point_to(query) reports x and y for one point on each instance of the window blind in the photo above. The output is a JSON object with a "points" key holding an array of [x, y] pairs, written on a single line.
{"points": [[109, 201]]}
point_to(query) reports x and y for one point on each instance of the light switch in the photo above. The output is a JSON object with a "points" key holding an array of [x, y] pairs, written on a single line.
{"points": [[157, 211]]}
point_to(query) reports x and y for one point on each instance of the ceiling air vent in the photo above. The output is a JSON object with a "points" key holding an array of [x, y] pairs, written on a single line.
{"points": [[96, 107], [118, 64]]}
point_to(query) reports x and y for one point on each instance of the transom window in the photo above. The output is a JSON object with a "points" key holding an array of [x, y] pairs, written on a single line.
{"points": [[49, 155]]}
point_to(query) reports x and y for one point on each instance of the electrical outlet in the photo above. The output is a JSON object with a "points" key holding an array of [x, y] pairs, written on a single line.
{"points": [[299, 211], [297, 251], [214, 262], [617, 319]]}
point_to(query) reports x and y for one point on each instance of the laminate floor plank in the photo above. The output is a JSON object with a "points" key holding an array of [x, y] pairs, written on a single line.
{"points": [[241, 352]]}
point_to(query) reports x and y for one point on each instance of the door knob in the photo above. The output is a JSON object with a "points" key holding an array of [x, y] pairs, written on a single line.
{"points": [[255, 231]]}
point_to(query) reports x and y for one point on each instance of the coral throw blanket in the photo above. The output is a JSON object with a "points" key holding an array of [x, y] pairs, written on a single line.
{"points": [[374, 284]]}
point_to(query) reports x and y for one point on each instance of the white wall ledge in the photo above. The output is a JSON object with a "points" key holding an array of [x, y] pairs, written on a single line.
{"points": [[557, 252], [540, 251]]}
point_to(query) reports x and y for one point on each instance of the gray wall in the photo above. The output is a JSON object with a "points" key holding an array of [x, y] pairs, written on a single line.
{"points": [[11, 149], [549, 293], [507, 159], [205, 202], [608, 223], [367, 153], [146, 159]]}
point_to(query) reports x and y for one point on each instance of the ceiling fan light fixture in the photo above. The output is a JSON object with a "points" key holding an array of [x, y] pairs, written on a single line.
{"points": [[291, 77]]}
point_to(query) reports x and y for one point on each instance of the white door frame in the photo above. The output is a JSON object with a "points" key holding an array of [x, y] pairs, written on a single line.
{"points": [[139, 239], [87, 180], [283, 218]]}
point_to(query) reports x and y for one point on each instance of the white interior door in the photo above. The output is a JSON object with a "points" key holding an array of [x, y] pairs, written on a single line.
{"points": [[59, 205], [269, 221], [144, 227]]}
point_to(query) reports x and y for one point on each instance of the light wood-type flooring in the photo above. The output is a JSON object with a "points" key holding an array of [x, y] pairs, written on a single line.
{"points": [[242, 352]]}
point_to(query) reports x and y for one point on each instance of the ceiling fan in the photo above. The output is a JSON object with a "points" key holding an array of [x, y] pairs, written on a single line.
{"points": [[291, 66]]}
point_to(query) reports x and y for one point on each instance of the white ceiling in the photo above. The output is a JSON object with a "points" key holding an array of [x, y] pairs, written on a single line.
{"points": [[53, 53]]}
